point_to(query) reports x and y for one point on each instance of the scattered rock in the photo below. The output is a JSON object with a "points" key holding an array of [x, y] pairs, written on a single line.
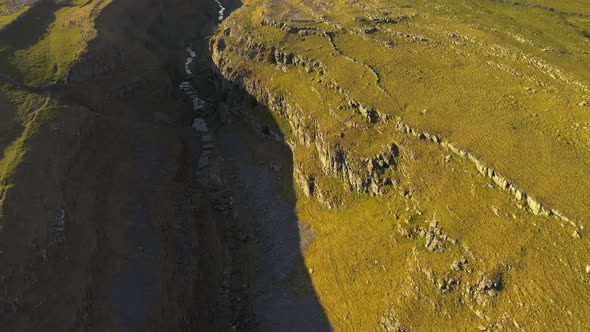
{"points": [[391, 324], [405, 232], [447, 285], [501, 182], [434, 241], [458, 265], [275, 166], [208, 146], [520, 194], [487, 288], [534, 205], [433, 223], [198, 104], [200, 125], [203, 162], [207, 138]]}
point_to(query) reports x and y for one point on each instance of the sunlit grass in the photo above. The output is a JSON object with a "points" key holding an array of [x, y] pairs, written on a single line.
{"points": [[7, 19], [506, 82]]}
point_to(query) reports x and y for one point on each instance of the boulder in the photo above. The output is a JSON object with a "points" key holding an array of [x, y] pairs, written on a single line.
{"points": [[534, 205], [200, 125], [520, 194], [483, 169], [459, 264], [275, 166], [501, 181]]}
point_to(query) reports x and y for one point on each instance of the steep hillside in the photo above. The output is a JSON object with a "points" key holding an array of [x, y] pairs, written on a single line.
{"points": [[104, 225], [40, 136], [440, 149], [347, 165]]}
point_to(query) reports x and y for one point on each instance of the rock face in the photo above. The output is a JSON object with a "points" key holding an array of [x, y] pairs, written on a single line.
{"points": [[435, 239], [305, 182], [486, 288], [534, 205], [335, 160]]}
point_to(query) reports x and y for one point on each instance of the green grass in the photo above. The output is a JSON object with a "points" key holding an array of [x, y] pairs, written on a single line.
{"points": [[51, 57], [38, 49], [41, 47], [500, 80], [18, 111], [9, 18], [18, 108], [516, 115]]}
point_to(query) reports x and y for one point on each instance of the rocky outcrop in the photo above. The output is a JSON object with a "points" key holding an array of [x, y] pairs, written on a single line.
{"points": [[551, 9], [500, 181], [486, 288], [363, 174], [435, 239], [254, 49], [288, 28], [358, 173], [305, 181], [390, 323]]}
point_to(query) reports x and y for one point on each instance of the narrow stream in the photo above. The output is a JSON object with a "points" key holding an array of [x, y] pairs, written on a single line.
{"points": [[221, 10], [200, 106], [186, 86], [136, 290], [188, 89]]}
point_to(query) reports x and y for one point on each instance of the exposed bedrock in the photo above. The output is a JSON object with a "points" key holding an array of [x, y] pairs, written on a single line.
{"points": [[363, 174]]}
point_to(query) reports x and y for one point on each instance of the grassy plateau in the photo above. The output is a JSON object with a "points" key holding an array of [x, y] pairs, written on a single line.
{"points": [[507, 83]]}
